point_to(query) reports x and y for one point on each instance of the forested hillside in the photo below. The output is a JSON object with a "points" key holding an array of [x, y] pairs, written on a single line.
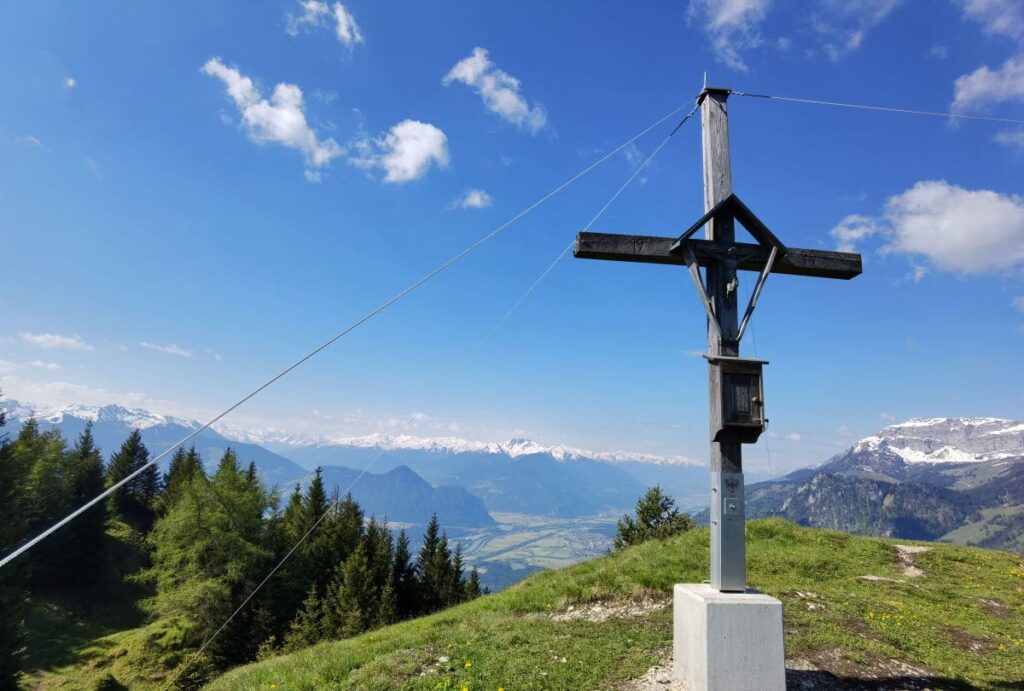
{"points": [[129, 593]]}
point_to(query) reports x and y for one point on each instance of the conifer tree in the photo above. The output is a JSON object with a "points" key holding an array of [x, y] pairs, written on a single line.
{"points": [[404, 578], [86, 534], [49, 498], [308, 626], [354, 603], [433, 566], [387, 610], [473, 589], [134, 501], [13, 594], [349, 529], [656, 518], [184, 466], [456, 586]]}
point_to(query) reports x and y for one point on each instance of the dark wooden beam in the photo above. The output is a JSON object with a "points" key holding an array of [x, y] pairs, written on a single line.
{"points": [[649, 249]]}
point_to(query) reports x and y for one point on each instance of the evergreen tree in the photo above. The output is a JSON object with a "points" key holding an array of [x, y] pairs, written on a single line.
{"points": [[209, 552], [473, 589], [134, 502], [433, 569], [456, 586], [308, 626], [185, 465], [387, 610], [13, 593], [354, 605], [404, 578], [656, 518], [86, 534], [49, 498], [349, 529]]}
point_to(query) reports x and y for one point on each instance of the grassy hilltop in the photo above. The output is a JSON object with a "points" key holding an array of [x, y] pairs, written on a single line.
{"points": [[857, 608]]}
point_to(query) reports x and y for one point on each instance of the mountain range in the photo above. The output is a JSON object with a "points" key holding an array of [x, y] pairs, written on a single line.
{"points": [[951, 479]]}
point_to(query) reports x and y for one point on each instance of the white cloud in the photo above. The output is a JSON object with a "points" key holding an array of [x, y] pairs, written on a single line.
{"points": [[29, 140], [281, 120], [70, 83], [852, 229], [312, 175], [472, 199], [1001, 17], [1018, 302], [405, 153], [733, 25], [49, 341], [499, 90], [45, 365], [1011, 138], [316, 14], [171, 349], [961, 230], [844, 24], [985, 86], [794, 437], [886, 417], [844, 431]]}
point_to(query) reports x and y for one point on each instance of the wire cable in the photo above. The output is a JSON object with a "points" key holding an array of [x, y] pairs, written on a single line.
{"points": [[884, 109], [14, 554], [522, 298]]}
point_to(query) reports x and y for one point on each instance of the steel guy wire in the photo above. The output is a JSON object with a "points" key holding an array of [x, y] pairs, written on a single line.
{"points": [[14, 554], [437, 392]]}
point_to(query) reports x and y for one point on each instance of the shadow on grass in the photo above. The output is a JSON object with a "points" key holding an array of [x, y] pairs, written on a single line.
{"points": [[815, 680]]}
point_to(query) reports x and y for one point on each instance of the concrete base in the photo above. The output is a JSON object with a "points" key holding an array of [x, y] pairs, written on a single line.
{"points": [[727, 641]]}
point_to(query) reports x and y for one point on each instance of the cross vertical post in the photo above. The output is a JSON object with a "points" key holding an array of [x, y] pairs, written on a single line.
{"points": [[728, 525]]}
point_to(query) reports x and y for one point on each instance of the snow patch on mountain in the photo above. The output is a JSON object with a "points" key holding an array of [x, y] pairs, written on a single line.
{"points": [[130, 417], [948, 440]]}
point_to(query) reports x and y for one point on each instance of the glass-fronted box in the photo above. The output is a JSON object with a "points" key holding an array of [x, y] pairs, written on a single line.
{"points": [[737, 391]]}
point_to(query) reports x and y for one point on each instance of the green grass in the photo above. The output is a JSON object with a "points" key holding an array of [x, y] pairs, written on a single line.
{"points": [[990, 522], [963, 621]]}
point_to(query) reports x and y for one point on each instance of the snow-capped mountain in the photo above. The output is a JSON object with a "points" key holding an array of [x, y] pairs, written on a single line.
{"points": [[947, 440]]}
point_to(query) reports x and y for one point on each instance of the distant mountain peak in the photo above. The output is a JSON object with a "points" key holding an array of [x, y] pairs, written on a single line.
{"points": [[132, 417], [946, 440]]}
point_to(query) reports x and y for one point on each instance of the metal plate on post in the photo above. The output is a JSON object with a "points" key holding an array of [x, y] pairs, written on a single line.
{"points": [[728, 542]]}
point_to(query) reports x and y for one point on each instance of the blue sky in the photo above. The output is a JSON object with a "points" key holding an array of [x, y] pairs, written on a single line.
{"points": [[176, 225]]}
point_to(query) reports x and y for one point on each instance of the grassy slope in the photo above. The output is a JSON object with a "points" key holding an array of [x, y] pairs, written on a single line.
{"points": [[963, 620]]}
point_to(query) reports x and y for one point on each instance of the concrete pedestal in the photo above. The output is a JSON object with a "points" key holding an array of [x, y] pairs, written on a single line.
{"points": [[727, 641]]}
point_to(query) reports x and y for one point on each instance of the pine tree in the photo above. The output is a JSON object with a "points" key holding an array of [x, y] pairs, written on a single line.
{"points": [[656, 519], [87, 533], [349, 529], [354, 606], [134, 501], [185, 465], [49, 498], [473, 589], [308, 626], [456, 586], [13, 593], [387, 611], [433, 568], [404, 578]]}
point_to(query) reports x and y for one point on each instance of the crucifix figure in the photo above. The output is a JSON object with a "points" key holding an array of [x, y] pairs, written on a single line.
{"points": [[735, 383]]}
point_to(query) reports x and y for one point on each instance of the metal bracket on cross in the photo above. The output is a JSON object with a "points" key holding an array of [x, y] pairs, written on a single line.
{"points": [[729, 209]]}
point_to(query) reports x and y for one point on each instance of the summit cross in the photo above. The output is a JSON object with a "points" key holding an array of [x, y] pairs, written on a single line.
{"points": [[735, 383]]}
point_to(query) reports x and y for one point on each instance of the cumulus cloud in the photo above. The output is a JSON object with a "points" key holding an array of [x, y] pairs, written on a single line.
{"points": [[70, 83], [405, 153], [851, 230], [48, 341], [42, 364], [955, 229], [732, 25], [961, 230], [171, 349], [316, 14], [281, 120], [473, 199], [1000, 17], [498, 89], [985, 86]]}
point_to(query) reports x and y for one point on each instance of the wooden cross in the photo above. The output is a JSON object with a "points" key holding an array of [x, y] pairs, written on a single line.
{"points": [[721, 257]]}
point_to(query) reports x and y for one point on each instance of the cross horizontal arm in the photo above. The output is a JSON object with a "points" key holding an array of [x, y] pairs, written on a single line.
{"points": [[657, 250]]}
